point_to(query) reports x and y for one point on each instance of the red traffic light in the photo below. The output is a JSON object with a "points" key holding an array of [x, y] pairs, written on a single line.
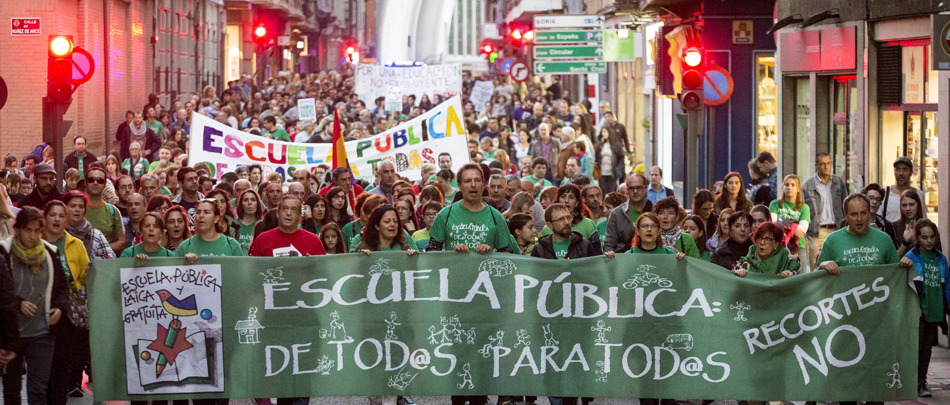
{"points": [[487, 49], [516, 34], [350, 49], [59, 85], [260, 31], [60, 45], [693, 57], [529, 36]]}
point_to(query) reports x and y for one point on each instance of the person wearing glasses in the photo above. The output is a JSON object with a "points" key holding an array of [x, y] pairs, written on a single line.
{"points": [[767, 255], [429, 212], [647, 238], [621, 219], [103, 216]]}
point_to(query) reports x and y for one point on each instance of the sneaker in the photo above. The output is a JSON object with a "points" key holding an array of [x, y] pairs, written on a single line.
{"points": [[76, 393], [923, 392], [508, 403], [408, 400]]}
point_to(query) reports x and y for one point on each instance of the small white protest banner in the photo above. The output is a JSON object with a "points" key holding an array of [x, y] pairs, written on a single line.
{"points": [[394, 99], [307, 109], [481, 94], [373, 81]]}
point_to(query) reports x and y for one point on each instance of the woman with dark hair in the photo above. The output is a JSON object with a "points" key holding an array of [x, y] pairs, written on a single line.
{"points": [[384, 232], [209, 240], [767, 255], [158, 204], [176, 227], [570, 196], [931, 285], [265, 224], [912, 210], [704, 204], [740, 226], [407, 215], [69, 352], [223, 199], [42, 295], [336, 206], [667, 210], [733, 194], [250, 211], [332, 238], [523, 233], [96, 244], [318, 214], [424, 103], [152, 228], [693, 225]]}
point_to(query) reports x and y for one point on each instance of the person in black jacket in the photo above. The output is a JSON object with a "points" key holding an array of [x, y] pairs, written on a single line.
{"points": [[9, 320], [740, 227], [42, 297], [79, 158], [137, 131]]}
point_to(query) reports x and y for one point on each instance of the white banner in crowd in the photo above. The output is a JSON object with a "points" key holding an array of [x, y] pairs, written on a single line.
{"points": [[407, 146], [373, 81], [481, 94]]}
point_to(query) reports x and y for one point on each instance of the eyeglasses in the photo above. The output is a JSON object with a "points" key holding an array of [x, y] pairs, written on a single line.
{"points": [[430, 214], [339, 197], [637, 188], [769, 240], [649, 226], [96, 180]]}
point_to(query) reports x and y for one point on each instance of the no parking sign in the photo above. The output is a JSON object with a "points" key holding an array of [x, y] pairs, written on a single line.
{"points": [[717, 85], [505, 65]]}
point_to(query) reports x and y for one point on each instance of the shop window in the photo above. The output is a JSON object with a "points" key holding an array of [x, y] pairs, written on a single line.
{"points": [[766, 139], [803, 150]]}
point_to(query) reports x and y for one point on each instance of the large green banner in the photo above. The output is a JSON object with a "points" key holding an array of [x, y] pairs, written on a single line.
{"points": [[634, 326]]}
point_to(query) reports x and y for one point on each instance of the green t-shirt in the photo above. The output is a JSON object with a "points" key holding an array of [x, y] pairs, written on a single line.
{"points": [[61, 248], [153, 165], [79, 166], [137, 249], [490, 156], [535, 180], [455, 183], [634, 216], [660, 250], [136, 171], [157, 128], [107, 219], [601, 231], [223, 246], [560, 248], [847, 249], [421, 238], [245, 234], [787, 215], [706, 256], [932, 303], [456, 225], [585, 227], [279, 134], [350, 232]]}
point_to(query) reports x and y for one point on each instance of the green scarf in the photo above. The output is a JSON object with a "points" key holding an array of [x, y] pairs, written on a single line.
{"points": [[32, 257]]}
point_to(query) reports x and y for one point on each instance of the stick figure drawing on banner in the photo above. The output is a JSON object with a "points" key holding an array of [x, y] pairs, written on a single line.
{"points": [[336, 325], [466, 377], [895, 376], [391, 325], [601, 330]]}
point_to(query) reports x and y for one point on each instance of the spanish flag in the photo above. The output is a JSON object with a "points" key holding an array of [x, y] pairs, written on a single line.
{"points": [[339, 149]]}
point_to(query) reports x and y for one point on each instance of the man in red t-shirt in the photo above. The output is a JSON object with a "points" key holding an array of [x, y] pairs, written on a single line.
{"points": [[287, 239]]}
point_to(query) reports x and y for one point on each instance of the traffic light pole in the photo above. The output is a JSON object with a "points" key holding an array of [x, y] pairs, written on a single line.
{"points": [[694, 130], [54, 130]]}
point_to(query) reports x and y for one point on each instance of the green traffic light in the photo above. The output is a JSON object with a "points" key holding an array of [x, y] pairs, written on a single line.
{"points": [[492, 57]]}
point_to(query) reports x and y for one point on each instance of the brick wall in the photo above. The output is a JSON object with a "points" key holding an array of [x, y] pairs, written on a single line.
{"points": [[23, 67]]}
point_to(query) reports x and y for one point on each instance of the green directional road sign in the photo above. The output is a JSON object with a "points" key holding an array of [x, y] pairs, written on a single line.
{"points": [[560, 52], [570, 67], [566, 37]]}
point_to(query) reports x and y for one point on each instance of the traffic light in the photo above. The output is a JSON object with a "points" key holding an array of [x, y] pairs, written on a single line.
{"points": [[59, 85], [260, 34], [352, 52], [521, 35], [489, 50], [693, 77]]}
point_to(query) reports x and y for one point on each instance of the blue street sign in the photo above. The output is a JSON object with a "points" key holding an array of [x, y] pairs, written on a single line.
{"points": [[505, 65]]}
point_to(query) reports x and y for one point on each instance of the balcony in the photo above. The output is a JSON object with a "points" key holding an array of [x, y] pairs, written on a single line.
{"points": [[523, 10]]}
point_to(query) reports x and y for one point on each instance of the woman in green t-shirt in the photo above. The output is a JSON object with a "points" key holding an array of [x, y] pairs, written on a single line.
{"points": [[209, 240], [523, 234], [151, 227], [384, 232], [332, 238], [790, 211], [249, 213], [177, 229], [646, 238], [767, 254], [316, 206], [570, 196]]}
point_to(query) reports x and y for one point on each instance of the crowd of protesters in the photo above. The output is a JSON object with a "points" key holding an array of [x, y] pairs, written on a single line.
{"points": [[543, 178]]}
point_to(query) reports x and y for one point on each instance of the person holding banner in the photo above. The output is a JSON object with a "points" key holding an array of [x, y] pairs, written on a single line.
{"points": [[384, 232], [209, 240], [767, 255], [152, 228], [475, 225]]}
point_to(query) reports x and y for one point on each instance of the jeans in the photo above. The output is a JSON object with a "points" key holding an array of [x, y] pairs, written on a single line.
{"points": [[927, 336], [37, 353], [68, 362], [814, 246]]}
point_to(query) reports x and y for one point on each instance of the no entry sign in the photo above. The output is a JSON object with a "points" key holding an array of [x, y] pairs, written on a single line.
{"points": [[717, 85]]}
